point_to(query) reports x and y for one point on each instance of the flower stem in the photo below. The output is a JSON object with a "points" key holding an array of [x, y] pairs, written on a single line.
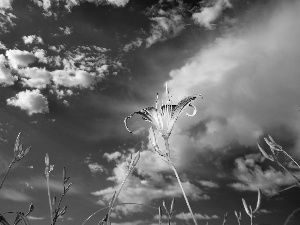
{"points": [[48, 188], [178, 179], [7, 171], [186, 200]]}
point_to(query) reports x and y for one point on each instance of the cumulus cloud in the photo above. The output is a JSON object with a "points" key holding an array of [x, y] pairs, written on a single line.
{"points": [[198, 216], [30, 101], [210, 14], [35, 77], [20, 58], [112, 156], [32, 39], [250, 84], [147, 186], [5, 4], [6, 78], [251, 176], [96, 168]]}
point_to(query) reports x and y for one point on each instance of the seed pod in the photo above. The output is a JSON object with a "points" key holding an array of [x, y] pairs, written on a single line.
{"points": [[246, 207], [258, 201]]}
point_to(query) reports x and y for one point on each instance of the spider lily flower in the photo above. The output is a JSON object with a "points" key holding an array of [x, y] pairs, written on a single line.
{"points": [[165, 116]]}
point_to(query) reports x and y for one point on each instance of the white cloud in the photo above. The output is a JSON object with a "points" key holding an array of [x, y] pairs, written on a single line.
{"points": [[147, 186], [5, 4], [19, 58], [40, 55], [252, 177], [6, 78], [32, 39], [77, 78], [210, 14], [198, 216], [35, 77], [164, 28], [30, 101], [119, 3], [250, 83], [209, 184], [112, 156], [96, 168]]}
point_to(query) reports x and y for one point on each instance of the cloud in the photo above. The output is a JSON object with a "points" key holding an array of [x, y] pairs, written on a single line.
{"points": [[165, 27], [14, 195], [146, 185], [77, 78], [210, 14], [35, 77], [252, 177], [209, 184], [119, 3], [32, 39], [96, 168], [5, 4], [20, 58], [112, 156], [6, 78], [6, 19], [35, 218], [198, 216], [30, 101], [249, 80]]}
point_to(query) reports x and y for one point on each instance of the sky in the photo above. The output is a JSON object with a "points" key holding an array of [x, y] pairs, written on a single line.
{"points": [[72, 70]]}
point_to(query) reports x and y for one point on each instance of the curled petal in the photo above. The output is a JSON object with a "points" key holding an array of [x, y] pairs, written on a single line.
{"points": [[182, 104], [194, 111], [149, 114]]}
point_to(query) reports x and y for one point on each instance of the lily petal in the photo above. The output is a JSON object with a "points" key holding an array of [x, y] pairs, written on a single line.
{"points": [[178, 109], [194, 110], [149, 114]]}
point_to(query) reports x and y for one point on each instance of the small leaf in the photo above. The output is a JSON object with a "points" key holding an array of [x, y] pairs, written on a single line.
{"points": [[264, 153], [17, 144], [258, 201], [172, 206], [63, 211], [164, 205], [47, 160], [31, 208], [159, 212], [68, 187], [245, 207], [112, 199], [136, 159], [64, 174]]}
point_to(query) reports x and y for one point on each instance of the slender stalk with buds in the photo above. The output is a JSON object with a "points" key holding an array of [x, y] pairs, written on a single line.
{"points": [[249, 210]]}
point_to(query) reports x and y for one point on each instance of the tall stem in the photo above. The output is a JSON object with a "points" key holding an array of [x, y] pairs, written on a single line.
{"points": [[178, 179], [48, 188], [7, 171]]}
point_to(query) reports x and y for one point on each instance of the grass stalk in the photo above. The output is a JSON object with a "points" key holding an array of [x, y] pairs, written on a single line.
{"points": [[6, 173], [49, 197]]}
